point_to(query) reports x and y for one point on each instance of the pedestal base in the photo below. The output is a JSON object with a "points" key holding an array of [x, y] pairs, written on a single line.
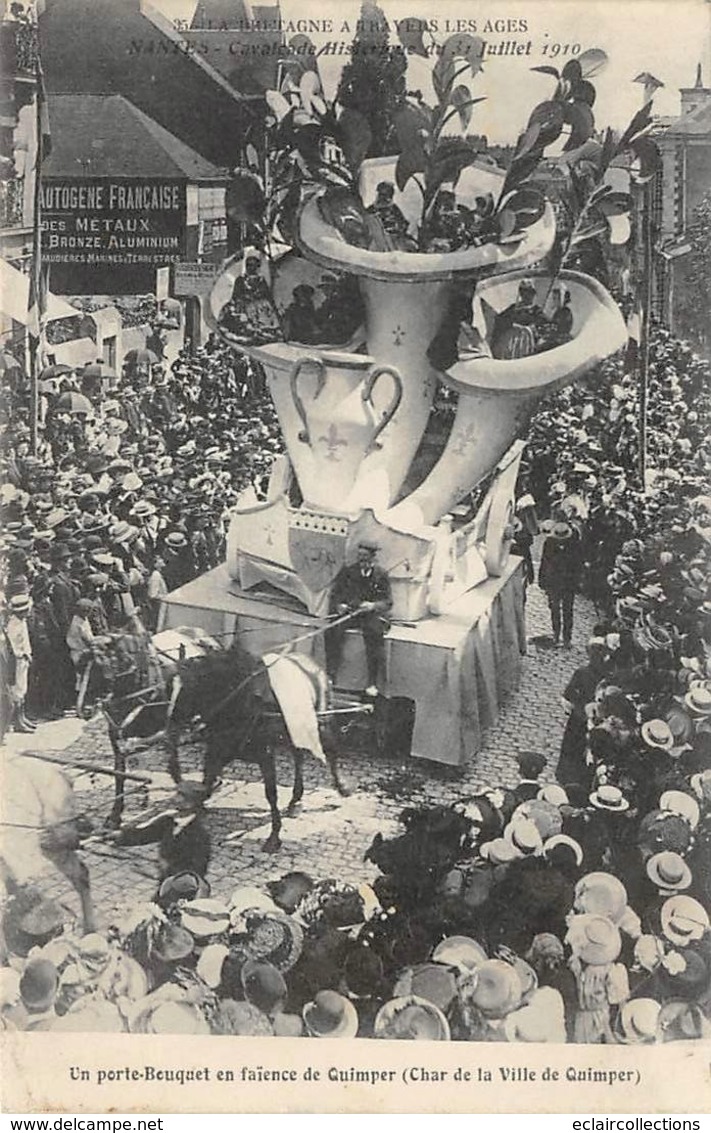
{"points": [[458, 668]]}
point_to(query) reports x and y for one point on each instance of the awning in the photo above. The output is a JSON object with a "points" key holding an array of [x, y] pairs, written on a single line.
{"points": [[14, 297]]}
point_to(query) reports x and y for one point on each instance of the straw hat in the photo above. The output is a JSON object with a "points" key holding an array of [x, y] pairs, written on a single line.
{"points": [[179, 1018], [524, 836], [669, 871], [594, 939], [701, 785], [431, 981], [607, 797], [246, 898], [459, 952], [331, 1016], [494, 988], [210, 963], [183, 886], [545, 816], [657, 733], [638, 1022], [698, 700], [91, 1014], [678, 802], [409, 1017], [602, 894], [564, 840], [499, 852], [541, 1020], [172, 943], [554, 794], [683, 919], [205, 917]]}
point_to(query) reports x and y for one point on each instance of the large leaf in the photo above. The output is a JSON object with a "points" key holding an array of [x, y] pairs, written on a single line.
{"points": [[547, 71], [463, 102], [590, 151], [528, 204], [647, 159], [443, 75], [528, 140], [461, 45], [583, 91], [620, 229], [615, 204], [639, 124], [311, 93], [519, 170], [592, 62], [244, 198], [572, 71], [451, 157], [278, 105], [410, 32], [582, 123], [409, 126], [506, 220], [408, 163], [355, 136], [549, 117]]}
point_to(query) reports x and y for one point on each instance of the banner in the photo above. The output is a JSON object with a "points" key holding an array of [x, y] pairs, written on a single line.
{"points": [[113, 221]]}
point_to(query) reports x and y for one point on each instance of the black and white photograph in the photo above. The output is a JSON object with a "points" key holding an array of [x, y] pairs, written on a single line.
{"points": [[355, 519]]}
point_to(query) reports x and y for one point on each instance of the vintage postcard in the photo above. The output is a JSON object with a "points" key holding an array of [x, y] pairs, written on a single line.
{"points": [[355, 520]]}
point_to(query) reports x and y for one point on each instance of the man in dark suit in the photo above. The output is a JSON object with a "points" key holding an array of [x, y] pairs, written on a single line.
{"points": [[559, 577], [364, 589]]}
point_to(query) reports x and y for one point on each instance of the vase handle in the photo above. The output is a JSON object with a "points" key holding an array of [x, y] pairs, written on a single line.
{"points": [[316, 362], [392, 409]]}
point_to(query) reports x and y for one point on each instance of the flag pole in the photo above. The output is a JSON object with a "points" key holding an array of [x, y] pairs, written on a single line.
{"points": [[646, 296], [37, 287]]}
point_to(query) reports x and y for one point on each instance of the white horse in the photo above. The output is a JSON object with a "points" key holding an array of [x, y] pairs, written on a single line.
{"points": [[38, 822]]}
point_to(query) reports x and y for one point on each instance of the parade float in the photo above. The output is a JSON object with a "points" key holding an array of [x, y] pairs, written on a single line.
{"points": [[447, 256]]}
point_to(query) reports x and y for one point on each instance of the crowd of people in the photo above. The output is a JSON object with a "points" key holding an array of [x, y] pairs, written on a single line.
{"points": [[126, 498], [573, 909], [517, 915]]}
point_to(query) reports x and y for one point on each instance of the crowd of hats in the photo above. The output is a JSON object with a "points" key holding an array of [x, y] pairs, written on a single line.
{"points": [[150, 467], [484, 924], [583, 463]]}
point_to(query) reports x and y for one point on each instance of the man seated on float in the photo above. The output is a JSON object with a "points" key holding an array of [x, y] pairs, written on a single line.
{"points": [[392, 217], [363, 588]]}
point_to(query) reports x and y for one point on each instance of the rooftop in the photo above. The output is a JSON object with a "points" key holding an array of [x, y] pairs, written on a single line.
{"points": [[107, 136]]}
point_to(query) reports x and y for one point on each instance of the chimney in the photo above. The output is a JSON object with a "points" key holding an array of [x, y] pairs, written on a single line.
{"points": [[693, 97]]}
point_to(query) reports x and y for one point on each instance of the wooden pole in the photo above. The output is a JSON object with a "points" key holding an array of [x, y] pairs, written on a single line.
{"points": [[646, 303], [82, 765]]}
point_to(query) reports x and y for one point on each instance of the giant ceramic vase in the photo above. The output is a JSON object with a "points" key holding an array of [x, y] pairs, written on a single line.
{"points": [[406, 297], [496, 397], [332, 408]]}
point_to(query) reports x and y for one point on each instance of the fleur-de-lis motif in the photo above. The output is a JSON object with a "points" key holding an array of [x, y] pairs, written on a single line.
{"points": [[399, 335], [332, 442], [464, 440]]}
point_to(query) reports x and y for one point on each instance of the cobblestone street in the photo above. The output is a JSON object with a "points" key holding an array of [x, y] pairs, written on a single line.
{"points": [[330, 835]]}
